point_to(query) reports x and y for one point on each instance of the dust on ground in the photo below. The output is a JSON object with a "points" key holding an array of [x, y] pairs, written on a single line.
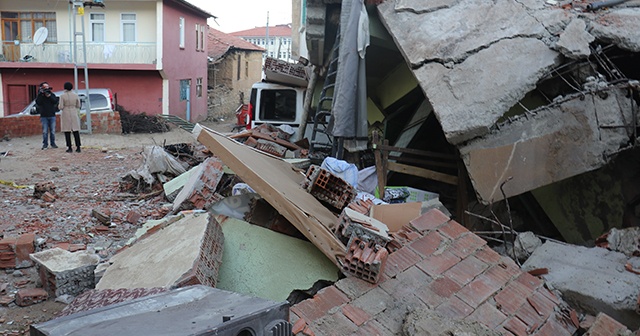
{"points": [[84, 181]]}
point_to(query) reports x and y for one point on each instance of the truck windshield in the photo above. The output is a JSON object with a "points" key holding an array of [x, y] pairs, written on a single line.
{"points": [[278, 105]]}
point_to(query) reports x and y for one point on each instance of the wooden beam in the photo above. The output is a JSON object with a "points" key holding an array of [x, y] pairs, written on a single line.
{"points": [[421, 172], [279, 184]]}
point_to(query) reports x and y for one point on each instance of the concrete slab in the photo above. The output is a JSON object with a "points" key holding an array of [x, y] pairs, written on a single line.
{"points": [[62, 272], [591, 279], [574, 41], [198, 192], [173, 187], [162, 259], [259, 262]]}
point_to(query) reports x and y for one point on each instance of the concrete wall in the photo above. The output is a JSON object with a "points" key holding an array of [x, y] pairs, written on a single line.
{"points": [[183, 63]]}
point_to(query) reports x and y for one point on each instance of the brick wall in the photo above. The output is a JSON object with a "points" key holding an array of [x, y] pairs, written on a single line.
{"points": [[27, 125]]}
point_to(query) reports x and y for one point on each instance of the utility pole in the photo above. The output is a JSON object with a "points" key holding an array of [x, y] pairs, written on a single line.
{"points": [[76, 8]]}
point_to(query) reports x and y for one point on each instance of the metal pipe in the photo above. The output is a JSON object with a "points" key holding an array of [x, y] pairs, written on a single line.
{"points": [[605, 3]]}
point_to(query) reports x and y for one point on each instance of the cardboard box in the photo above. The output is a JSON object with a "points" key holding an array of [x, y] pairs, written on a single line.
{"points": [[396, 215]]}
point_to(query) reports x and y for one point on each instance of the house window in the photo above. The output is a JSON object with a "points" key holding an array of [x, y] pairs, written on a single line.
{"points": [[184, 89], [128, 27], [202, 28], [181, 33], [199, 37], [21, 26], [239, 60], [271, 40], [246, 69], [97, 27], [199, 87]]}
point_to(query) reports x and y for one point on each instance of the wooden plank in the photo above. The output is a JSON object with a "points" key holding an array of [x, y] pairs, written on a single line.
{"points": [[418, 152], [279, 184], [411, 160], [421, 172], [380, 165]]}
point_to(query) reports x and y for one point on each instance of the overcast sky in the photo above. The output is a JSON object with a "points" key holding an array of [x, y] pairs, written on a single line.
{"points": [[236, 15]]}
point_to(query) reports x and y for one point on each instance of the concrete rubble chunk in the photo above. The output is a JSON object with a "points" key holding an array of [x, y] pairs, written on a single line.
{"points": [[579, 124], [574, 41], [199, 191], [62, 272], [473, 95], [619, 27], [591, 279], [183, 253], [175, 185]]}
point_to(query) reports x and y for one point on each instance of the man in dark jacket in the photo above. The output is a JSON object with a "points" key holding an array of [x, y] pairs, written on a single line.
{"points": [[47, 105]]}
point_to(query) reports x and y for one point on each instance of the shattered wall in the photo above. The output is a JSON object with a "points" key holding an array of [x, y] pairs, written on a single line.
{"points": [[474, 70]]}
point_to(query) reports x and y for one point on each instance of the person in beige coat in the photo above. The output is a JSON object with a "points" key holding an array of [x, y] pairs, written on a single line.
{"points": [[69, 119]]}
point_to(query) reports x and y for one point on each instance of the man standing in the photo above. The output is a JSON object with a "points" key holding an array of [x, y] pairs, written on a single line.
{"points": [[47, 104]]}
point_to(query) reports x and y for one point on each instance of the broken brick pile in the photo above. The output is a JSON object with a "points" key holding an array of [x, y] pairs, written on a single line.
{"points": [[448, 269], [14, 252]]}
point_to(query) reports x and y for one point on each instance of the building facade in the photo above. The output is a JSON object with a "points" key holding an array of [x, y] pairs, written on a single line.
{"points": [[276, 40], [234, 65], [150, 53]]}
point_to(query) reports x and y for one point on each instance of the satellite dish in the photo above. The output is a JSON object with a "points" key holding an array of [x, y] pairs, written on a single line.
{"points": [[40, 36]]}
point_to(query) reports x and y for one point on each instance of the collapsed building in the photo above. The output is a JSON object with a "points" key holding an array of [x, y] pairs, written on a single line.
{"points": [[537, 99]]}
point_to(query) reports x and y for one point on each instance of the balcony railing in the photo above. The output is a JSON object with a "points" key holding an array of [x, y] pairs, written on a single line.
{"points": [[61, 52]]}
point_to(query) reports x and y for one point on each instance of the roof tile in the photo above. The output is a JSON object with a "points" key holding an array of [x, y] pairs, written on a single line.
{"points": [[355, 314], [400, 260], [488, 315], [466, 245], [219, 43], [444, 287], [453, 229], [466, 270], [478, 290], [512, 297], [430, 220], [454, 308], [428, 244], [437, 264], [516, 327], [277, 30]]}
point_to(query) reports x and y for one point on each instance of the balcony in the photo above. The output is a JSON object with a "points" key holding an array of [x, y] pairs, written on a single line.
{"points": [[97, 53]]}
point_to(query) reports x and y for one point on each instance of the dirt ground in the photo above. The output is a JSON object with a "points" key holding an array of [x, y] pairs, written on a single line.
{"points": [[84, 181]]}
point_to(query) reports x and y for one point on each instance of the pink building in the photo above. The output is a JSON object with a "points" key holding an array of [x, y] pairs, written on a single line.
{"points": [[150, 53]]}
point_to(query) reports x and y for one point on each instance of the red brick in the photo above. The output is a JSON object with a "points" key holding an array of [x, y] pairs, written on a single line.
{"points": [[24, 247], [8, 244], [500, 274], [427, 244], [466, 245], [549, 295], [454, 308], [529, 280], [488, 255], [604, 325], [488, 315], [437, 264], [400, 260], [466, 270], [355, 314], [354, 287], [453, 229], [429, 297], [512, 297], [444, 287], [298, 326], [431, 220], [516, 327], [133, 217], [5, 300], [543, 306], [27, 297], [553, 328], [372, 328], [527, 314], [405, 283], [478, 290]]}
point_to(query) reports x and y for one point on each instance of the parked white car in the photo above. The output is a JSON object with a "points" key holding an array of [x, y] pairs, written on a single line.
{"points": [[102, 100]]}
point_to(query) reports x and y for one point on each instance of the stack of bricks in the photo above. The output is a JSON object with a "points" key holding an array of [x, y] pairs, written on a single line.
{"points": [[62, 272], [282, 67], [210, 257], [328, 188], [14, 252]]}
